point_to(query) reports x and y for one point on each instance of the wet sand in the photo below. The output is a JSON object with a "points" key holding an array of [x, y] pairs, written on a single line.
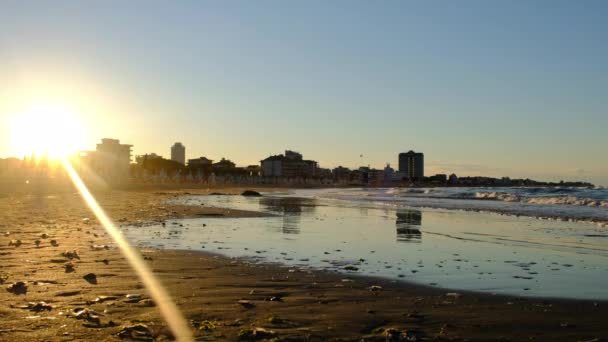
{"points": [[225, 299]]}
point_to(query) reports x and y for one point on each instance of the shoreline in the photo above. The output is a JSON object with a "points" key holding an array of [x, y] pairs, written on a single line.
{"points": [[314, 305], [383, 280]]}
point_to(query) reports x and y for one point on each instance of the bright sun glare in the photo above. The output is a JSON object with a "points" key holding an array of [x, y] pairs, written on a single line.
{"points": [[46, 130]]}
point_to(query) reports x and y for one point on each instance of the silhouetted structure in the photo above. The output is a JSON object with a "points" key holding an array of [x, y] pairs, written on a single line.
{"points": [[341, 173], [289, 165], [112, 159], [438, 179], [223, 165], [201, 162], [253, 170], [411, 164], [154, 164], [178, 153]]}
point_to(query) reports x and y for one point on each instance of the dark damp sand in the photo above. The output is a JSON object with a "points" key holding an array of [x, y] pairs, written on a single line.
{"points": [[294, 305]]}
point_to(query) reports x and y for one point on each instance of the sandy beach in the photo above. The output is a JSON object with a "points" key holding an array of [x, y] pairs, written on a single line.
{"points": [[51, 243]]}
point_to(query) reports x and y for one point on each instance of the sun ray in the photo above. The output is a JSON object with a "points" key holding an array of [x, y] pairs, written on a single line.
{"points": [[168, 309]]}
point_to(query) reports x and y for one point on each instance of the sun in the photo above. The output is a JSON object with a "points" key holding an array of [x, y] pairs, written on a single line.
{"points": [[48, 130]]}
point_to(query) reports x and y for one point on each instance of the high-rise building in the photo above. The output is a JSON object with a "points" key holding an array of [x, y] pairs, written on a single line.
{"points": [[178, 153], [411, 164]]}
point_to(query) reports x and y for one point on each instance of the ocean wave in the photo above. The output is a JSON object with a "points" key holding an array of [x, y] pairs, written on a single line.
{"points": [[578, 204], [498, 196], [545, 200]]}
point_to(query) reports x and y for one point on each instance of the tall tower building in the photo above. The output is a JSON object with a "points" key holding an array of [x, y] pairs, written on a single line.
{"points": [[178, 153], [412, 165]]}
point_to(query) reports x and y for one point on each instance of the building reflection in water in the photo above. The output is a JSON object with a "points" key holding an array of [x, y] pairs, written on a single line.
{"points": [[290, 208], [408, 224]]}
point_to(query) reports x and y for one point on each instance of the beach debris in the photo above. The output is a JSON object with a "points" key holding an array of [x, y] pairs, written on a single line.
{"points": [[392, 334], [136, 332], [99, 247], [54, 243], [86, 220], [73, 254], [7, 233], [251, 193], [68, 293], [206, 325], [134, 298], [375, 288], [102, 299], [17, 288], [37, 243], [246, 304], [256, 334], [351, 268], [3, 278], [91, 278], [147, 302], [453, 295], [88, 315], [15, 243], [37, 307], [69, 267], [44, 282], [273, 299]]}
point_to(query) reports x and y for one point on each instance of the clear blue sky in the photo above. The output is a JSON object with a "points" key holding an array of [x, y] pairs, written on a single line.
{"points": [[516, 88]]}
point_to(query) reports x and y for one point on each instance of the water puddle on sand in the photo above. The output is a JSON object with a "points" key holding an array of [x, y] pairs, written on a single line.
{"points": [[444, 248]]}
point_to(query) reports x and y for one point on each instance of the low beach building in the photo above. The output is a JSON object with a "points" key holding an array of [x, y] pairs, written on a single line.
{"points": [[289, 165], [111, 161], [201, 162]]}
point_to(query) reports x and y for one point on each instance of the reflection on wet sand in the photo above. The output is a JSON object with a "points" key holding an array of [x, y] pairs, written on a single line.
{"points": [[291, 209], [408, 225], [460, 250]]}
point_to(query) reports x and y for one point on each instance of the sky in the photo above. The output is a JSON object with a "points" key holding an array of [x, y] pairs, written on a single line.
{"points": [[495, 88]]}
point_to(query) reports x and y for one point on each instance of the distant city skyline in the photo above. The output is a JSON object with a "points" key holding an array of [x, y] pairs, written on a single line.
{"points": [[512, 88]]}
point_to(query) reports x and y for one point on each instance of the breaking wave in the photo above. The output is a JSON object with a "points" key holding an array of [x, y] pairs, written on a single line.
{"points": [[554, 200], [579, 204]]}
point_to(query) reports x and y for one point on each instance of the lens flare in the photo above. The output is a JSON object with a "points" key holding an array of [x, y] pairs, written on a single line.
{"points": [[168, 309], [46, 130]]}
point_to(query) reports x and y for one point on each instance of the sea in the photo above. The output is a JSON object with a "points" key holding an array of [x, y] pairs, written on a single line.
{"points": [[533, 242]]}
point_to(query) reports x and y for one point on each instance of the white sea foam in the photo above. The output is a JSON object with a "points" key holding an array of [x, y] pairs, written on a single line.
{"points": [[501, 196], [580, 204], [555, 200]]}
